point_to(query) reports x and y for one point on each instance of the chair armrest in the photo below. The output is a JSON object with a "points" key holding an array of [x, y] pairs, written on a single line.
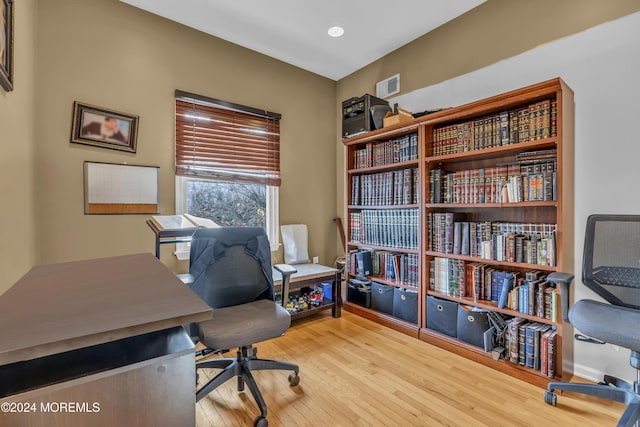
{"points": [[286, 270], [563, 281]]}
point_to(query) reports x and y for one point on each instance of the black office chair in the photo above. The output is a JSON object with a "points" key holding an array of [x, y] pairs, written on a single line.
{"points": [[231, 271], [611, 268]]}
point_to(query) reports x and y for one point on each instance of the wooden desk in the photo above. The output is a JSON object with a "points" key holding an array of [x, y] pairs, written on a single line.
{"points": [[309, 275], [105, 331]]}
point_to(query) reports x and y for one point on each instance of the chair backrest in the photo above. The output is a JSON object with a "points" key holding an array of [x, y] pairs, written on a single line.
{"points": [[231, 265], [611, 263]]}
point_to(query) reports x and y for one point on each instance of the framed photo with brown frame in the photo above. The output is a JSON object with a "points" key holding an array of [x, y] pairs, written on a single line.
{"points": [[104, 128], [6, 44]]}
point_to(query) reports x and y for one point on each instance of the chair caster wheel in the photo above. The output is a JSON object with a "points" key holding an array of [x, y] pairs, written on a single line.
{"points": [[294, 379], [550, 398], [260, 422]]}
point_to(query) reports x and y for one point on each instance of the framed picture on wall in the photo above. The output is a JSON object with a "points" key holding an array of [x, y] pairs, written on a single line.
{"points": [[6, 44], [104, 128]]}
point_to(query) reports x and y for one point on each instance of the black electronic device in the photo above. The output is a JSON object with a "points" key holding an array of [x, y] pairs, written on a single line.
{"points": [[357, 116]]}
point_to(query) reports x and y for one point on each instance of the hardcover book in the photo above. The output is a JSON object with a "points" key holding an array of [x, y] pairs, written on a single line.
{"points": [[551, 354], [544, 352], [507, 286], [363, 259], [537, 333], [521, 343]]}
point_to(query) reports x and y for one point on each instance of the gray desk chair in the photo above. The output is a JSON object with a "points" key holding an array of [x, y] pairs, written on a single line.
{"points": [[611, 268], [231, 270]]}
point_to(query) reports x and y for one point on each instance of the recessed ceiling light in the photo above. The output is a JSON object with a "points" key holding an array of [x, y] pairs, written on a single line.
{"points": [[336, 31]]}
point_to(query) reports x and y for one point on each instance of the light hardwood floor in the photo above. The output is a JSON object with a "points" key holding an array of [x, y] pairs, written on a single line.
{"points": [[354, 372]]}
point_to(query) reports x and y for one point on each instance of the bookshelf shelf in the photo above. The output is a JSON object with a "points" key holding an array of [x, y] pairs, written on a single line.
{"points": [[387, 167], [514, 146], [382, 134], [361, 207], [488, 305], [488, 153], [381, 279], [518, 265], [514, 205], [382, 248]]}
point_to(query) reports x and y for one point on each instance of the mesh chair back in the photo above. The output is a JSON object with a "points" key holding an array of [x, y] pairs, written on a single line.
{"points": [[611, 263], [236, 276]]}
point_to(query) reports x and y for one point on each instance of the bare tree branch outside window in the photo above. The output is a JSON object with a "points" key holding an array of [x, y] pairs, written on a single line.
{"points": [[228, 203]]}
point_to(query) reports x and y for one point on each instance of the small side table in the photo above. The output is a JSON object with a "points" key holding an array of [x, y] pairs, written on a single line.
{"points": [[309, 275]]}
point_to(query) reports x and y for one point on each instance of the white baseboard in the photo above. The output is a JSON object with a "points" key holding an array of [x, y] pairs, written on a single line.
{"points": [[587, 373]]}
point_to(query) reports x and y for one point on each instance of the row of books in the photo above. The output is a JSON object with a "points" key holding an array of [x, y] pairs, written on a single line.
{"points": [[532, 344], [448, 276], [397, 150], [536, 298], [533, 122], [531, 243], [532, 294], [398, 187], [393, 228], [513, 183], [392, 266]]}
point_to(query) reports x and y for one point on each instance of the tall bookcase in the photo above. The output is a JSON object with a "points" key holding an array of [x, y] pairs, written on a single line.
{"points": [[493, 199]]}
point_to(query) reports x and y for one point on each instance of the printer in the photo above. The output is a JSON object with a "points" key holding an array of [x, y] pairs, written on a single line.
{"points": [[362, 114]]}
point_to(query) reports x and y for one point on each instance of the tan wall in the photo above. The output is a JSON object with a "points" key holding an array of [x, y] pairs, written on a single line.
{"points": [[493, 31], [17, 215], [110, 54]]}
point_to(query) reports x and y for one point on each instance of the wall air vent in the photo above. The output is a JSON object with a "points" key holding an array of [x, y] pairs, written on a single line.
{"points": [[389, 86]]}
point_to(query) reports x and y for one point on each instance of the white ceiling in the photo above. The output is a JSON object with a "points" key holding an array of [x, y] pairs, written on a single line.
{"points": [[295, 31]]}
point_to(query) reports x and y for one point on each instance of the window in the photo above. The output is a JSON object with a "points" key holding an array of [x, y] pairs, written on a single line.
{"points": [[227, 164]]}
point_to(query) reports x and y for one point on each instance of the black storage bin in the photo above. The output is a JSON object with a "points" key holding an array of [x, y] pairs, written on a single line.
{"points": [[382, 297], [405, 305], [472, 325], [442, 316], [359, 292]]}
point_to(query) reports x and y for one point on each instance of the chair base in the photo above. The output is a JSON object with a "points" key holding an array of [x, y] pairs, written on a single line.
{"points": [[627, 394], [617, 383], [241, 367]]}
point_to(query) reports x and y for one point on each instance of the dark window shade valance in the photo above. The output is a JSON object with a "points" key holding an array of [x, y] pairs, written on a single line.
{"points": [[219, 143]]}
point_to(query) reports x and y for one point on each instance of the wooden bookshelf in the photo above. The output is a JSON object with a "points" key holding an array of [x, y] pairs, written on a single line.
{"points": [[458, 142]]}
